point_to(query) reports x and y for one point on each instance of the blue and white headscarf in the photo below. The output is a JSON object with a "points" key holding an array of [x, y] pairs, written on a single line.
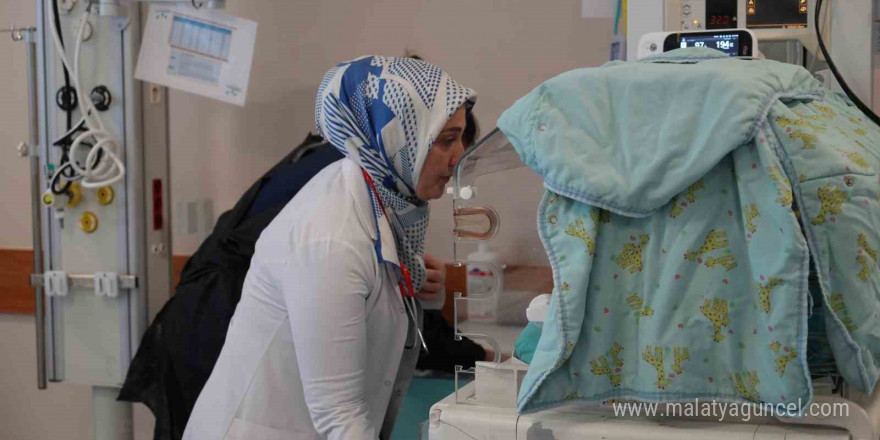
{"points": [[385, 113]]}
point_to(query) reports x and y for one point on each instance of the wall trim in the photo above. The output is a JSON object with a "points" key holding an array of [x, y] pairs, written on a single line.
{"points": [[16, 293]]}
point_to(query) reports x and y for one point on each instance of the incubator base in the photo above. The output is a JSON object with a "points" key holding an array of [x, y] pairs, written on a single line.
{"points": [[466, 415]]}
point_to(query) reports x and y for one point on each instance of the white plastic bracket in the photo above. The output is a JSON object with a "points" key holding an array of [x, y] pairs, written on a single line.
{"points": [[56, 283], [106, 284]]}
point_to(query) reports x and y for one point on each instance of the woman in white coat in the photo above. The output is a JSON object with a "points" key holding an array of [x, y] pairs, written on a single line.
{"points": [[325, 337]]}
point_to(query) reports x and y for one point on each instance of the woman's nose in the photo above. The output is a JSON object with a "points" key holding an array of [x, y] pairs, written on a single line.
{"points": [[457, 152]]}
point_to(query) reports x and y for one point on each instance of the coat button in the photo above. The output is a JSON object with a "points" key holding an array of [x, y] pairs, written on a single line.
{"points": [[401, 310], [542, 127], [387, 383]]}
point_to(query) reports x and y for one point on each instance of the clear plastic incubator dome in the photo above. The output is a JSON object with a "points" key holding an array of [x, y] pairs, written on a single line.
{"points": [[500, 265]]}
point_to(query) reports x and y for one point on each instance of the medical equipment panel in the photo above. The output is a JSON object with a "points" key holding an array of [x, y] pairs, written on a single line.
{"points": [[732, 42], [750, 14], [96, 309], [785, 14], [784, 30]]}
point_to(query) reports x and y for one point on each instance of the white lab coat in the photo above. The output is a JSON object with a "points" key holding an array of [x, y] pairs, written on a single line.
{"points": [[314, 347]]}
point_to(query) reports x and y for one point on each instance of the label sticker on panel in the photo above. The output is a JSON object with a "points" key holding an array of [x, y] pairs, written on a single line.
{"points": [[200, 51]]}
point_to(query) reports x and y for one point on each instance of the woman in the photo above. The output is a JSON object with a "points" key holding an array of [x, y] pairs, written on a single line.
{"points": [[325, 337]]}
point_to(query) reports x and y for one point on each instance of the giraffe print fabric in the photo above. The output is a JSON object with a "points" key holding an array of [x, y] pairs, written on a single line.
{"points": [[678, 305], [691, 280]]}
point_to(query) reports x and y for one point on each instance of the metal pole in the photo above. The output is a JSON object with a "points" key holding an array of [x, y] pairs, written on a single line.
{"points": [[28, 37]]}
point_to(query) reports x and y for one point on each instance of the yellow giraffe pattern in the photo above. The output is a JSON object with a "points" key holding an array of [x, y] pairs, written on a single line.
{"points": [[715, 239], [776, 346], [728, 262], [675, 210], [810, 117], [690, 192], [783, 186], [831, 198], [782, 361], [680, 354], [827, 112], [654, 356], [656, 360], [717, 311], [861, 132], [600, 216], [808, 138], [636, 303], [631, 256], [601, 367], [839, 307], [751, 212], [863, 243], [800, 122], [615, 355], [867, 266], [578, 230], [746, 384], [865, 272], [764, 291], [856, 158]]}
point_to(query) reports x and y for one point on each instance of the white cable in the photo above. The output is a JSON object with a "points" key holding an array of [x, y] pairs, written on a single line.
{"points": [[111, 169]]}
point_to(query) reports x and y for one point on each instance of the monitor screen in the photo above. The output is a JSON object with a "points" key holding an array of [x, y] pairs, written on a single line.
{"points": [[727, 43]]}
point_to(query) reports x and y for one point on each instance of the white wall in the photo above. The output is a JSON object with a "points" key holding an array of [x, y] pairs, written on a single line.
{"points": [[500, 48]]}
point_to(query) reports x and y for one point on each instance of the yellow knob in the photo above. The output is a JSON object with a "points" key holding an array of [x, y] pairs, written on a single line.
{"points": [[74, 194], [88, 222], [48, 199], [105, 195]]}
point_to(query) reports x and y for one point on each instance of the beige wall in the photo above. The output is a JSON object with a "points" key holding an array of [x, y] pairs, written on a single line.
{"points": [[500, 48], [15, 226]]}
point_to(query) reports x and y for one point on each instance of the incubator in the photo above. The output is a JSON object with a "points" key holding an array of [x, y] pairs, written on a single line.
{"points": [[495, 201], [491, 183]]}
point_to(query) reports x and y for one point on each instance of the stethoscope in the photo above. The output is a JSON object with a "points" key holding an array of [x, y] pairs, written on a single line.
{"points": [[404, 283]]}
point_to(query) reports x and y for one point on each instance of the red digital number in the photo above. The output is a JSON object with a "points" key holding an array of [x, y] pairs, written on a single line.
{"points": [[719, 20]]}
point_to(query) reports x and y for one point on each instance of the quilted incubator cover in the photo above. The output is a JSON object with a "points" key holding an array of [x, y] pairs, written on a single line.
{"points": [[687, 197]]}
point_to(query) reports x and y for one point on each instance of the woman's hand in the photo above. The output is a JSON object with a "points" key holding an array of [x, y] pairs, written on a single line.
{"points": [[435, 279]]}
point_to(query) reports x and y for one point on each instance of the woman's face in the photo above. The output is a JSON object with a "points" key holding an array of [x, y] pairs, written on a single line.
{"points": [[441, 160]]}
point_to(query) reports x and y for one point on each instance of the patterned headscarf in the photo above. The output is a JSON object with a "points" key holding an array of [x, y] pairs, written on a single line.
{"points": [[385, 113]]}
